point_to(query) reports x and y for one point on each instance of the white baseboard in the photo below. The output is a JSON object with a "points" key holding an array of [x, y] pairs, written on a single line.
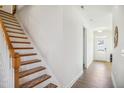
{"points": [[113, 80], [89, 64], [74, 80]]}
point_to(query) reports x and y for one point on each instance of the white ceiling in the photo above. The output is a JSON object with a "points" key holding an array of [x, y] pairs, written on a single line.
{"points": [[98, 16]]}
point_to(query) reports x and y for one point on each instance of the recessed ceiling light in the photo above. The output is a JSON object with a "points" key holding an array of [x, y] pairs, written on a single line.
{"points": [[82, 6], [99, 31], [91, 20], [101, 36]]}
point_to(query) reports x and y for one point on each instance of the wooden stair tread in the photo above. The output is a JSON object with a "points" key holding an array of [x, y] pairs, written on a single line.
{"points": [[23, 48], [31, 71], [20, 42], [15, 32], [6, 23], [18, 37], [9, 20], [30, 61], [6, 13], [14, 28], [35, 81], [51, 85], [7, 17], [28, 54]]}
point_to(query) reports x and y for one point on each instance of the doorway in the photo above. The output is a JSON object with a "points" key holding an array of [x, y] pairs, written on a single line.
{"points": [[84, 48], [102, 45], [101, 49]]}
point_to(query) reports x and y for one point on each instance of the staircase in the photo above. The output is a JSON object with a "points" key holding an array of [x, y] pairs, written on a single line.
{"points": [[29, 69]]}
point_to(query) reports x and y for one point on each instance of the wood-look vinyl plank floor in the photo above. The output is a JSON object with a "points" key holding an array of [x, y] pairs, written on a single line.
{"points": [[98, 75]]}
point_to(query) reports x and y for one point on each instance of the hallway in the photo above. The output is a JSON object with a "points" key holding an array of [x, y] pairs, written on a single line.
{"points": [[98, 75]]}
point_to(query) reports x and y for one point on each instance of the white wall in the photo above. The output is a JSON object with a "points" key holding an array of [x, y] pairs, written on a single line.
{"points": [[57, 33], [6, 69], [107, 36], [89, 37], [118, 59], [73, 45], [90, 47]]}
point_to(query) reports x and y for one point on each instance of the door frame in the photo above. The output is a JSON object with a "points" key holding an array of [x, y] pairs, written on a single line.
{"points": [[105, 59], [84, 47]]}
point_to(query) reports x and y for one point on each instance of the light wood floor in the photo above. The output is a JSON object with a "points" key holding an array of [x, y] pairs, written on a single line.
{"points": [[98, 75]]}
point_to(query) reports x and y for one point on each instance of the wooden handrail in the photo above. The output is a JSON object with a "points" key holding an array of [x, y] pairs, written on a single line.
{"points": [[15, 56]]}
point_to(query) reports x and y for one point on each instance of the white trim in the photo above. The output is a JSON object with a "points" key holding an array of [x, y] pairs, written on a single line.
{"points": [[89, 63], [74, 80], [113, 80]]}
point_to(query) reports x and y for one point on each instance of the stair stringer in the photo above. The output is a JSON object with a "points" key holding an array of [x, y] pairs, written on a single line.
{"points": [[53, 79]]}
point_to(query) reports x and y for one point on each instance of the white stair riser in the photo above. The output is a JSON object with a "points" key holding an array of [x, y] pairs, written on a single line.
{"points": [[30, 66], [19, 39], [32, 76], [14, 30], [12, 26], [6, 16], [9, 22], [29, 57], [43, 84], [21, 45], [26, 51], [15, 34], [2, 14]]}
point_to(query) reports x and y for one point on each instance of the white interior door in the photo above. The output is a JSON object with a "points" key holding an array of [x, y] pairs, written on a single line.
{"points": [[101, 49]]}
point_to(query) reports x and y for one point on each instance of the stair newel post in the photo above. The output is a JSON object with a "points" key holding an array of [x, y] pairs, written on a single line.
{"points": [[17, 61]]}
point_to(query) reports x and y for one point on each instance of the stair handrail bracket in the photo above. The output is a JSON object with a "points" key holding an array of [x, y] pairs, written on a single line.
{"points": [[13, 55]]}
